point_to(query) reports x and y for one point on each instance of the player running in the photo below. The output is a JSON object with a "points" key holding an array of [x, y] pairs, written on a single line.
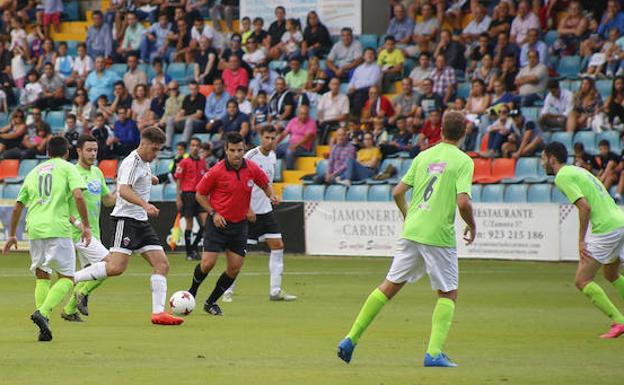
{"points": [[604, 246], [132, 230], [189, 172], [95, 194], [224, 192], [46, 192], [262, 223], [440, 179]]}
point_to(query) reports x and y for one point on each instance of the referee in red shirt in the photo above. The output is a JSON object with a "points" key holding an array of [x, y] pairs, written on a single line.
{"points": [[187, 175], [225, 192]]}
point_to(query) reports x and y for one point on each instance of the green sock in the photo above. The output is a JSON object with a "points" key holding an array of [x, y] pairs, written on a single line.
{"points": [[42, 287], [440, 325], [619, 286], [70, 308], [58, 291], [89, 286], [599, 298], [375, 301]]}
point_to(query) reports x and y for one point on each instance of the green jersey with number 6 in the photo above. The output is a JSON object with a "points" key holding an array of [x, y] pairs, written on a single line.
{"points": [[46, 192], [436, 175], [576, 183], [96, 188]]}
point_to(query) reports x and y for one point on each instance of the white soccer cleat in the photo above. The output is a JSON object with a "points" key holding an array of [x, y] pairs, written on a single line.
{"points": [[227, 296], [282, 296]]}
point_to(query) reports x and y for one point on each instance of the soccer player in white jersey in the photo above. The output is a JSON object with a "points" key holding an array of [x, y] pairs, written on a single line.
{"points": [[133, 232], [262, 223]]}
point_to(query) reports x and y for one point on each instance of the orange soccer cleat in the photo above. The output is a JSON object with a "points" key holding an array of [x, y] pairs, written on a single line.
{"points": [[166, 319]]}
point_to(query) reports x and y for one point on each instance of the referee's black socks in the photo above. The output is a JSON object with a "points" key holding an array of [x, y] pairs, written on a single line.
{"points": [[222, 285], [198, 278], [187, 242]]}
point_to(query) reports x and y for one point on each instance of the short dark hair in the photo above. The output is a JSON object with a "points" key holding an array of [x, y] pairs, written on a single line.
{"points": [[195, 139], [558, 150], [157, 61], [97, 12], [258, 20], [261, 92], [553, 84], [231, 101], [453, 125], [193, 83], [181, 144], [579, 146], [62, 44], [370, 49], [267, 129], [83, 45], [390, 38], [233, 138], [57, 147], [119, 83], [241, 88], [84, 139], [154, 135], [346, 29], [70, 117], [604, 143]]}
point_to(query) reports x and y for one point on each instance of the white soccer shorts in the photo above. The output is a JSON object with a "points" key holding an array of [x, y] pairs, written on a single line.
{"points": [[412, 260], [606, 248], [88, 255], [53, 255]]}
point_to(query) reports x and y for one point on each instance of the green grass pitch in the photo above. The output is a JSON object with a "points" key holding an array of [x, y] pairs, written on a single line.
{"points": [[516, 323]]}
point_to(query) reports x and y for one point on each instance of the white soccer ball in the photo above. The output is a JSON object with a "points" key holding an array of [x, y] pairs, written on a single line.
{"points": [[182, 302]]}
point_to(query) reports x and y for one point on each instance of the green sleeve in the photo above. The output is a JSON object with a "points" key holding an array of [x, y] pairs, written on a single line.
{"points": [[568, 187], [74, 180], [22, 196], [408, 179], [463, 183]]}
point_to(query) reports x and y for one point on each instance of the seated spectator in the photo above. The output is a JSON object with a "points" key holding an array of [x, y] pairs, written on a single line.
{"points": [[126, 134], [53, 89], [205, 69], [282, 105], [316, 38], [524, 21], [501, 96], [477, 52], [255, 55], [391, 62], [160, 77], [99, 37], [102, 107], [443, 77], [406, 104], [424, 33], [234, 76], [571, 30], [260, 35], [534, 43], [355, 133], [216, 107], [173, 105], [236, 121], [33, 91], [154, 43], [364, 166], [479, 24], [583, 159], [180, 41], [83, 111], [276, 31], [478, 101], [224, 9], [157, 105], [83, 65], [526, 138], [614, 106], [264, 80], [401, 141], [13, 133], [317, 82], [608, 162], [332, 110], [33, 144], [429, 100], [531, 81], [260, 116], [64, 63], [190, 118], [365, 76], [401, 26], [486, 73], [131, 42], [244, 105], [101, 81], [122, 96], [340, 153], [134, 75], [501, 20], [431, 133], [509, 72], [502, 49], [344, 56], [290, 43], [302, 131], [557, 107], [71, 133], [296, 78], [452, 51], [380, 135], [421, 72], [377, 105], [139, 110], [612, 18], [498, 133], [47, 55], [587, 104]]}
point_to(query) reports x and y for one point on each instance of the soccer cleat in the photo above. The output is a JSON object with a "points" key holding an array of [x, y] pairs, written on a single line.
{"points": [[45, 334], [212, 308], [163, 318], [193, 256], [82, 303], [441, 360], [615, 331], [71, 317], [227, 296], [345, 349], [282, 296]]}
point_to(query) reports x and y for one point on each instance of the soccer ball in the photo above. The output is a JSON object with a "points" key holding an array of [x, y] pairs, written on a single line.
{"points": [[182, 302]]}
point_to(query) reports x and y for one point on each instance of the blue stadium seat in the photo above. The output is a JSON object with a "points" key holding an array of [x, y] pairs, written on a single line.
{"points": [[614, 139], [492, 193], [357, 193], [475, 192], [604, 88], [177, 71], [516, 193], [184, 90], [565, 138], [541, 176], [463, 90], [10, 191], [315, 192], [344, 87], [156, 193], [190, 72], [588, 138], [24, 168], [405, 166], [380, 193], [396, 162], [203, 137], [4, 119], [56, 120], [408, 66], [558, 197], [369, 41], [72, 47], [569, 66], [321, 170], [278, 65], [278, 172], [550, 37], [525, 168], [539, 193], [336, 193], [530, 113], [176, 138], [70, 11], [163, 166], [119, 68], [169, 192], [292, 192]]}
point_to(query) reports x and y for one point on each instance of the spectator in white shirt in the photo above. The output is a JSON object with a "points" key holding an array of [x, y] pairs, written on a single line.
{"points": [[557, 106], [522, 23], [476, 27], [83, 65], [421, 72], [332, 110], [366, 75]]}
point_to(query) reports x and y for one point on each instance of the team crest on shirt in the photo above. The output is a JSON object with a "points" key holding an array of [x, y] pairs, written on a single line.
{"points": [[436, 168], [94, 187], [126, 241]]}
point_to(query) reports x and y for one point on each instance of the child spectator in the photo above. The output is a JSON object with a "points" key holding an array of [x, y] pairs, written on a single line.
{"points": [[260, 116], [64, 63], [33, 90]]}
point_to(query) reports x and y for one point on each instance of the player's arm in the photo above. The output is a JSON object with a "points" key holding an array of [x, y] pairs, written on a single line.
{"points": [[109, 200], [15, 217], [127, 193], [398, 194], [84, 216], [464, 204], [155, 180], [584, 210], [268, 191]]}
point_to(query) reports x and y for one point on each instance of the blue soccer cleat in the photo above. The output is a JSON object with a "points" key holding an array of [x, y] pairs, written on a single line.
{"points": [[440, 360], [345, 349]]}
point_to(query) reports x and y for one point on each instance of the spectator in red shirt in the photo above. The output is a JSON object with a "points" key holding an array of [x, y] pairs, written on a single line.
{"points": [[377, 105], [225, 193], [187, 175], [431, 132], [234, 76], [302, 132]]}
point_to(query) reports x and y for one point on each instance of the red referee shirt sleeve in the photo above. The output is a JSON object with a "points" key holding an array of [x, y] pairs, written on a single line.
{"points": [[179, 172], [207, 183], [259, 177]]}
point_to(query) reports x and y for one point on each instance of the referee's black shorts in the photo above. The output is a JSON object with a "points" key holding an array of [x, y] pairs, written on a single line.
{"points": [[190, 206], [232, 237], [265, 227]]}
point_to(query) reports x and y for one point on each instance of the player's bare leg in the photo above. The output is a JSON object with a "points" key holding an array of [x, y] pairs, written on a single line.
{"points": [[159, 262]]}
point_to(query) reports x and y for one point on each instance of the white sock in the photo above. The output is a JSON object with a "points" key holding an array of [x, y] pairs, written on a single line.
{"points": [[230, 289], [159, 292], [276, 269], [91, 273]]}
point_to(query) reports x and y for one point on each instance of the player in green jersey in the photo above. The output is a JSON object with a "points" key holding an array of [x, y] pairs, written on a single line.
{"points": [[440, 179], [95, 194], [46, 192], [605, 244]]}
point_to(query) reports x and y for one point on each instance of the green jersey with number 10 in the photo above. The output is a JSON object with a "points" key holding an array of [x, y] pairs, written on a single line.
{"points": [[436, 175], [46, 193]]}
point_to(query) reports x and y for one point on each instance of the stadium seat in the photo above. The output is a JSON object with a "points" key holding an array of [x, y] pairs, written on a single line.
{"points": [[119, 68], [588, 138], [525, 168], [369, 41], [463, 90], [176, 139], [558, 197], [177, 71], [72, 47], [10, 191], [476, 192], [206, 89], [565, 138], [396, 162], [292, 192], [4, 119], [315, 192], [482, 142], [56, 120], [539, 193], [25, 166], [405, 166], [614, 139], [321, 170], [408, 66], [278, 172], [380, 193], [482, 168], [550, 37], [156, 193], [184, 90], [530, 113], [569, 66], [163, 166], [357, 193], [501, 168], [515, 193], [492, 193], [278, 65], [541, 176], [571, 85], [604, 88], [336, 193], [71, 11], [109, 169], [169, 192], [9, 168]]}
